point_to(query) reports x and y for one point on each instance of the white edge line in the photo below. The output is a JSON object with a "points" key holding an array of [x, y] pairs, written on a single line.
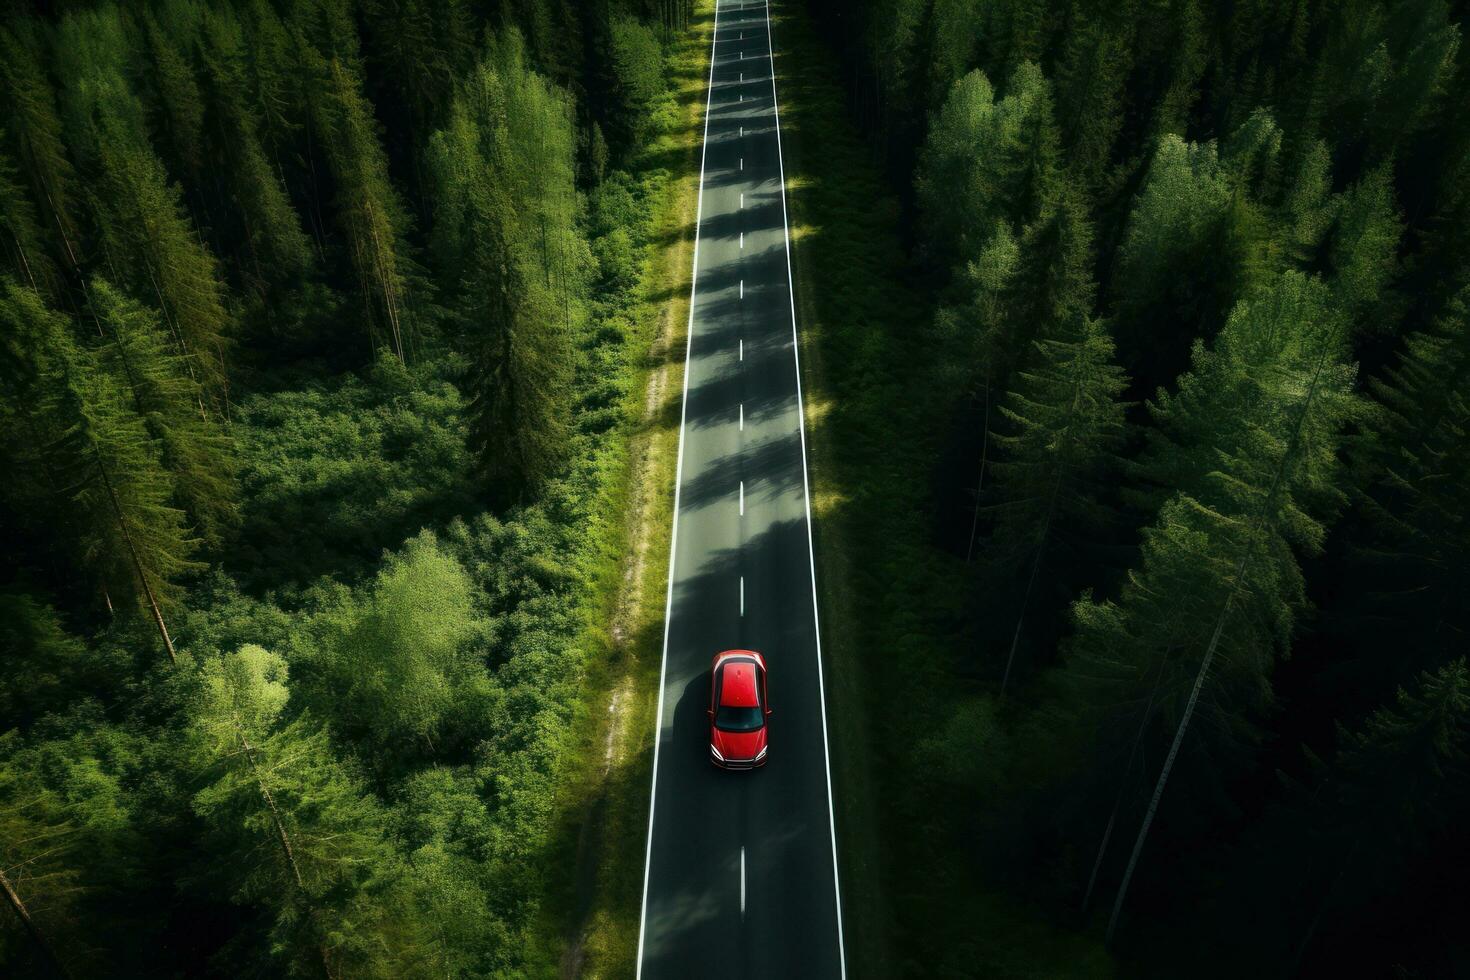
{"points": [[806, 488], [678, 479]]}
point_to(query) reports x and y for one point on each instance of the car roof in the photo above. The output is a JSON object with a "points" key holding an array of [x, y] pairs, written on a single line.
{"points": [[737, 688]]}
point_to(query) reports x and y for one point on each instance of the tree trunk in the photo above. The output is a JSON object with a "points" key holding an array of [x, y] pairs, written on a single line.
{"points": [[168, 643], [33, 930], [980, 484], [1204, 666]]}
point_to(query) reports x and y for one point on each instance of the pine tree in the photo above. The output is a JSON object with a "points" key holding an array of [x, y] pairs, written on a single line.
{"points": [[1090, 82], [178, 103], [278, 251], [368, 208], [1392, 788], [1254, 470], [1063, 423], [296, 831], [1363, 248], [35, 128], [1414, 458], [507, 225], [20, 232], [1190, 250], [96, 447], [149, 244], [987, 160], [137, 350]]}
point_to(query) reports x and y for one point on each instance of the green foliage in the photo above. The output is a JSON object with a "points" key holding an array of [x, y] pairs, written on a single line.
{"points": [[149, 243], [136, 349], [35, 128], [368, 208], [336, 470], [638, 82], [277, 247], [507, 213], [303, 839], [91, 459], [400, 664], [987, 160]]}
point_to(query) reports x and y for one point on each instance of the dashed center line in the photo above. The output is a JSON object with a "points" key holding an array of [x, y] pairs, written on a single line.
{"points": [[742, 882], [742, 595], [742, 289], [742, 239], [742, 404]]}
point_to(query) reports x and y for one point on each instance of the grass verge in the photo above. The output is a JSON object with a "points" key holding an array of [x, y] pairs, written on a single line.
{"points": [[588, 926], [915, 900]]}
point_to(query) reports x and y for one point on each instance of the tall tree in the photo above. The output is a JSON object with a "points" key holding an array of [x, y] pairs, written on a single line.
{"points": [[149, 244], [90, 439], [303, 840], [136, 349], [507, 225], [35, 127], [1063, 423]]}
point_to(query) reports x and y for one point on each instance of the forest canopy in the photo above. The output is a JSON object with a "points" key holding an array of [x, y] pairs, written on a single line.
{"points": [[1195, 361], [315, 347]]}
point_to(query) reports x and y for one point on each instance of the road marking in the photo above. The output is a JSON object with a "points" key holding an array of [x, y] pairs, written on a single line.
{"points": [[742, 289], [742, 239], [742, 882], [742, 78], [742, 199], [678, 479], [742, 493], [742, 595], [807, 493], [742, 163], [742, 132], [742, 404]]}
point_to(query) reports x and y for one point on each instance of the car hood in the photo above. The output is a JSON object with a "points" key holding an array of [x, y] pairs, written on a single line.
{"points": [[738, 745]]}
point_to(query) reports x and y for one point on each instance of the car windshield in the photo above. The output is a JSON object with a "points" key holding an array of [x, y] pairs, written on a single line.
{"points": [[732, 719]]}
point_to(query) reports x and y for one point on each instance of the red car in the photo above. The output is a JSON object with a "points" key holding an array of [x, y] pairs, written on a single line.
{"points": [[738, 709]]}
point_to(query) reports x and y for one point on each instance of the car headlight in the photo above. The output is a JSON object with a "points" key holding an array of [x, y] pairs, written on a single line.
{"points": [[715, 752], [762, 753]]}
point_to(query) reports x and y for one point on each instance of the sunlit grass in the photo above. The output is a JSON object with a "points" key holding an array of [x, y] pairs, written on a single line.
{"points": [[589, 922]]}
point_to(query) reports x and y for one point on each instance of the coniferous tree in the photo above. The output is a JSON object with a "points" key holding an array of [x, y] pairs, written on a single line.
{"points": [[136, 349], [303, 838], [1252, 464], [368, 209], [90, 440], [20, 231], [1415, 458], [1190, 250], [1063, 423], [507, 220], [35, 128], [149, 245], [278, 250], [988, 160]]}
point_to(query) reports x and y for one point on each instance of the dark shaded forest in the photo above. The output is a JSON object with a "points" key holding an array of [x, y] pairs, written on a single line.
{"points": [[1183, 663], [315, 358]]}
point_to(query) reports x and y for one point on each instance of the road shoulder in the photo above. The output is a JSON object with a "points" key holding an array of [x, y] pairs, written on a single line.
{"points": [[588, 926]]}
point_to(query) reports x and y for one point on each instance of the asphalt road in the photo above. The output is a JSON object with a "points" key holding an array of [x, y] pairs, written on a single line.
{"points": [[741, 874]]}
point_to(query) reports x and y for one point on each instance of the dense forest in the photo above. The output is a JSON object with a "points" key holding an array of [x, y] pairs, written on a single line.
{"points": [[1200, 330], [315, 351]]}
